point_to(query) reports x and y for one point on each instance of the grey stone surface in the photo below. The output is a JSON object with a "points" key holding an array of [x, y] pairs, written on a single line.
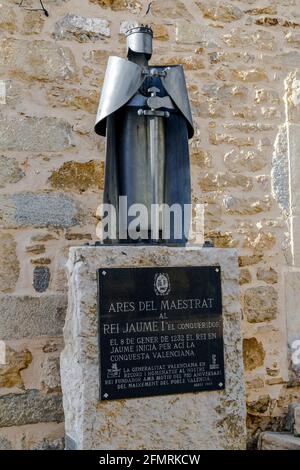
{"points": [[5, 444], [81, 28], [223, 91], [294, 149], [289, 419], [278, 441], [46, 444], [10, 171], [7, 17], [39, 60], [50, 377], [39, 210], [224, 12], [11, 92], [297, 420], [26, 317], [41, 278], [292, 301], [290, 59], [30, 407], [206, 420], [280, 170], [31, 134]]}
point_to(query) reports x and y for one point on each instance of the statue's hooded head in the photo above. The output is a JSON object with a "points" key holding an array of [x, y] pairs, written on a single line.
{"points": [[139, 43]]}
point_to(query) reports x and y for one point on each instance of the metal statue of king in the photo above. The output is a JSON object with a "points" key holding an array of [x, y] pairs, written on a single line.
{"points": [[144, 113]]}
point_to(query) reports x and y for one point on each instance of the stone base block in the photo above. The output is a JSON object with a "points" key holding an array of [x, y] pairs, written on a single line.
{"points": [[202, 420], [278, 441]]}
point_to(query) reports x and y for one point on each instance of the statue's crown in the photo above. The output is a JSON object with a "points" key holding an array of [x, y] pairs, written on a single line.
{"points": [[139, 40], [140, 29]]}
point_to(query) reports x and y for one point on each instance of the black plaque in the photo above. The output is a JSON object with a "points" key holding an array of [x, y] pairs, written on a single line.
{"points": [[160, 331]]}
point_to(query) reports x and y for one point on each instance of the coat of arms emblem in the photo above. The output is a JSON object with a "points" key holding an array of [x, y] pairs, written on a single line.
{"points": [[162, 284]]}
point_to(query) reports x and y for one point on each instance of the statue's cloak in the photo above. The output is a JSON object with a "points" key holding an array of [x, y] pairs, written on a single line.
{"points": [[127, 168]]}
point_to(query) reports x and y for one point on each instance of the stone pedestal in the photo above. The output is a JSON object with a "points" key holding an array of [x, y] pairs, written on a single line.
{"points": [[203, 420]]}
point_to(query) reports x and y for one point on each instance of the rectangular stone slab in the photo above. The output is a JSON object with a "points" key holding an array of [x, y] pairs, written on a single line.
{"points": [[189, 421]]}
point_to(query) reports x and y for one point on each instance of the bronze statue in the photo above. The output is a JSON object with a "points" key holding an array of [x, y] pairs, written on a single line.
{"points": [[144, 113]]}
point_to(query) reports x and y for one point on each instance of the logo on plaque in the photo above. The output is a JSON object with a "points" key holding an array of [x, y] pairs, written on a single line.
{"points": [[162, 284], [114, 371]]}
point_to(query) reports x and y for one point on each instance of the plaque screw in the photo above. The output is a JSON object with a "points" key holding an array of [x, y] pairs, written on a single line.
{"points": [[105, 395], [103, 273], [220, 384], [217, 270]]}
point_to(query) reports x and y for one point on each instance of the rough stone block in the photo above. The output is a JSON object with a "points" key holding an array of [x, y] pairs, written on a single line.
{"points": [[260, 39], [270, 276], [224, 92], [39, 210], [33, 22], [39, 436], [26, 317], [225, 13], [46, 444], [289, 419], [15, 362], [292, 302], [245, 206], [7, 18], [278, 441], [172, 9], [289, 59], [126, 25], [35, 135], [297, 421], [115, 5], [260, 405], [81, 28], [37, 60], [5, 444], [41, 278], [259, 241], [268, 10], [245, 160], [238, 141], [280, 170], [50, 378], [211, 420], [220, 181], [292, 100], [30, 407], [254, 353], [294, 149], [293, 38], [245, 276], [87, 100], [10, 171], [249, 76], [193, 33], [78, 176]]}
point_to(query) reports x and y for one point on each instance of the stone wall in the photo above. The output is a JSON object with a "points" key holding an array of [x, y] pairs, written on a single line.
{"points": [[241, 60]]}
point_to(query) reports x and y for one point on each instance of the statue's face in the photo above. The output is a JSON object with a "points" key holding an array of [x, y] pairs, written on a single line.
{"points": [[140, 42]]}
